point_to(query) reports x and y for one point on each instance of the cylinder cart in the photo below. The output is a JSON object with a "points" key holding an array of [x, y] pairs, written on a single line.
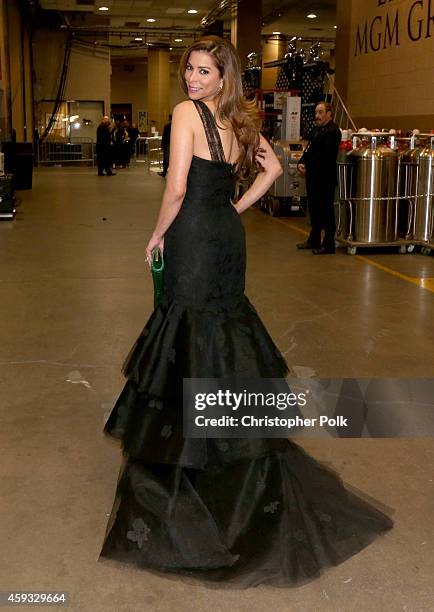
{"points": [[368, 194]]}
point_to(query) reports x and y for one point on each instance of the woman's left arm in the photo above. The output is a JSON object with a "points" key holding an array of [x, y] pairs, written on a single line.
{"points": [[271, 171], [181, 154]]}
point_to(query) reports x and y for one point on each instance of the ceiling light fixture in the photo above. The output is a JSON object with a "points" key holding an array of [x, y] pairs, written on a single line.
{"points": [[103, 8], [192, 11], [178, 39], [138, 39], [311, 16], [151, 20], [335, 27], [277, 32], [170, 48]]}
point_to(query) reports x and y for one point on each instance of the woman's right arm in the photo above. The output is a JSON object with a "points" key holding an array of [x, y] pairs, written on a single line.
{"points": [[181, 154], [272, 170]]}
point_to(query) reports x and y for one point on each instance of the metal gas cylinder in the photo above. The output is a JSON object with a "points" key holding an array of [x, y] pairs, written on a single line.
{"points": [[374, 192]]}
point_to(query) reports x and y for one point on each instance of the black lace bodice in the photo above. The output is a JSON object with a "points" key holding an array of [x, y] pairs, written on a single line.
{"points": [[205, 245], [211, 131]]}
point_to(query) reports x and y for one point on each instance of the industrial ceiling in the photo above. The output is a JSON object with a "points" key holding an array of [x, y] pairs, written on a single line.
{"points": [[176, 23]]}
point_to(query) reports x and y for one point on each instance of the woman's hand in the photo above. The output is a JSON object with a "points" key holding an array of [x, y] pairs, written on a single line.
{"points": [[260, 157], [267, 159], [271, 170], [155, 243]]}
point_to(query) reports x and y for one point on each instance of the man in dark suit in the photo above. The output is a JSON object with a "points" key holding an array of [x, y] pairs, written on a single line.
{"points": [[103, 147], [165, 145], [318, 163]]}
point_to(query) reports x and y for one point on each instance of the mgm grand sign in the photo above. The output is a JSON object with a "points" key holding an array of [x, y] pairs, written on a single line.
{"points": [[394, 25]]}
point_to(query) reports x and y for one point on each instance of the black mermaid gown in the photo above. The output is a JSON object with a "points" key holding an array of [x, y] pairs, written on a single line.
{"points": [[239, 512]]}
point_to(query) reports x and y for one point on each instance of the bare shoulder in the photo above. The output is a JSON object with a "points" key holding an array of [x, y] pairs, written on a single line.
{"points": [[184, 110]]}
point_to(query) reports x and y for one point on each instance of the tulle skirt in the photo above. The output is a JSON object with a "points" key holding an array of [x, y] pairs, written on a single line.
{"points": [[236, 512]]}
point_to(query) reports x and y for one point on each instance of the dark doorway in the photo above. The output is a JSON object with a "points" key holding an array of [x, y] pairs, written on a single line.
{"points": [[120, 112]]}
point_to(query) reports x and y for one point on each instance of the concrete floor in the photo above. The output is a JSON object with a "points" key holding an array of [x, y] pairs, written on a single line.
{"points": [[74, 295]]}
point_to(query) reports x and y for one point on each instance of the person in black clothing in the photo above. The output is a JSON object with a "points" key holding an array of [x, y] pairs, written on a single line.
{"points": [[318, 163], [103, 147], [133, 134], [232, 511], [121, 145], [165, 145]]}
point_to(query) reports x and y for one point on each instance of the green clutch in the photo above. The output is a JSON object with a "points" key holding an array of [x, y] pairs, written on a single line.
{"points": [[157, 269]]}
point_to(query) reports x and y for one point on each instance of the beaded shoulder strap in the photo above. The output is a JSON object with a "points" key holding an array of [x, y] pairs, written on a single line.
{"points": [[211, 131]]}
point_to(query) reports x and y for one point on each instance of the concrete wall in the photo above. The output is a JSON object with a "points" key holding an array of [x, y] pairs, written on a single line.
{"points": [[88, 73], [385, 62], [91, 77], [131, 87], [88, 80], [48, 52]]}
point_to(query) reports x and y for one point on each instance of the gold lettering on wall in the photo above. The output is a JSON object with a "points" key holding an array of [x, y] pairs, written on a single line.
{"points": [[390, 63], [412, 20], [383, 31]]}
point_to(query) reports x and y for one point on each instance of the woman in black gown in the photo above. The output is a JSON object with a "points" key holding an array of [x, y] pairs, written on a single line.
{"points": [[239, 512]]}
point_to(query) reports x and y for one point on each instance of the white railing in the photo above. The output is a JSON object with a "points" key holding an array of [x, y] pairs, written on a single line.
{"points": [[149, 151], [81, 150], [341, 115]]}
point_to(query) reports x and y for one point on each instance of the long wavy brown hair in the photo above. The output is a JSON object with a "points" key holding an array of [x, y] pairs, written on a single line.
{"points": [[231, 105]]}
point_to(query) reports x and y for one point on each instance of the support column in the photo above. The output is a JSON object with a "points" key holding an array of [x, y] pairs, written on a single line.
{"points": [[5, 90], [28, 85], [343, 34], [158, 88], [273, 48], [16, 62], [246, 27]]}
